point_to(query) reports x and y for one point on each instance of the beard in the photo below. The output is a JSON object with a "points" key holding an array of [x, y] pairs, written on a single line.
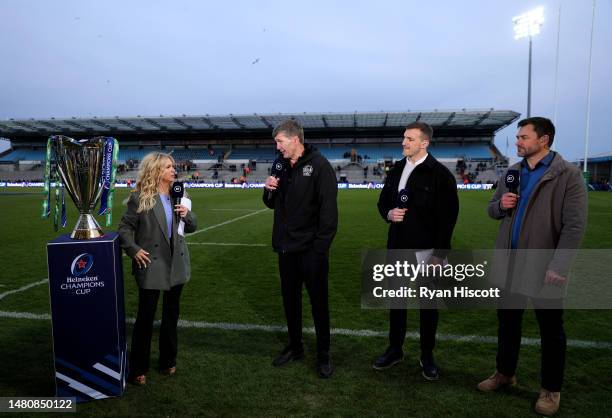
{"points": [[523, 152]]}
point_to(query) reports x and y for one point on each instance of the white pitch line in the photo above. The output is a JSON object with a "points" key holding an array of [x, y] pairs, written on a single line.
{"points": [[228, 244], [233, 209], [25, 315], [21, 289], [208, 228], [230, 326]]}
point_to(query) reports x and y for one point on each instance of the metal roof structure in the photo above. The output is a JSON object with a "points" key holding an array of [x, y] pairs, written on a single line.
{"points": [[597, 158], [477, 123]]}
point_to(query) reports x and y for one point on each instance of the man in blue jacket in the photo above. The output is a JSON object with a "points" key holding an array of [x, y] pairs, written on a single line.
{"points": [[303, 195]]}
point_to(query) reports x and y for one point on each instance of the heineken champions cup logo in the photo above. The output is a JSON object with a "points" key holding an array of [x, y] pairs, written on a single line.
{"points": [[81, 264]]}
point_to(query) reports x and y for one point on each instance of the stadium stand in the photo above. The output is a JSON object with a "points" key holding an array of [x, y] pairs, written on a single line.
{"points": [[472, 151], [177, 153], [22, 154], [219, 148], [259, 154], [599, 169]]}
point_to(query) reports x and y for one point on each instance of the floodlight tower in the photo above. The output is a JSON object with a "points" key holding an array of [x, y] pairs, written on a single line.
{"points": [[528, 25]]}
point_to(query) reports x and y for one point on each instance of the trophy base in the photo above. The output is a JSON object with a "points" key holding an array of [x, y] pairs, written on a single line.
{"points": [[86, 228]]}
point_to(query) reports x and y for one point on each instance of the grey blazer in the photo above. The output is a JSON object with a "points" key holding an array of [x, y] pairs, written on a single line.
{"points": [[169, 255]]}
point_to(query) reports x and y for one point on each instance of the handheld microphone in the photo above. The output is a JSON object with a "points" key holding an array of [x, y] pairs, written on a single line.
{"points": [[278, 167], [513, 181], [403, 199], [177, 192]]}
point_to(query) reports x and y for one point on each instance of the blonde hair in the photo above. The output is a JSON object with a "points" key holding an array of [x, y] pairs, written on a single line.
{"points": [[149, 176]]}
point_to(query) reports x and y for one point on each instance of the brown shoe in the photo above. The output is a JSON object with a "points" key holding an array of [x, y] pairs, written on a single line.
{"points": [[139, 380], [496, 381], [548, 402], [169, 371]]}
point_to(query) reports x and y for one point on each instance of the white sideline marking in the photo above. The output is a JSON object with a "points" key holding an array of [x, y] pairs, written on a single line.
{"points": [[232, 209], [25, 315], [230, 326], [227, 243], [21, 289], [208, 228]]}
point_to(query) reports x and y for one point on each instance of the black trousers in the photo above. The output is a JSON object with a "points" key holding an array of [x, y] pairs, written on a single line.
{"points": [[552, 337], [311, 269], [428, 325], [428, 315], [140, 353]]}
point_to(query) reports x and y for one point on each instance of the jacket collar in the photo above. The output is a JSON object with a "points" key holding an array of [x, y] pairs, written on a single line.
{"points": [[543, 162], [309, 153], [556, 166], [429, 162]]}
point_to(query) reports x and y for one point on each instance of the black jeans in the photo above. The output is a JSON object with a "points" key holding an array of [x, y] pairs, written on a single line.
{"points": [[428, 325], [552, 337], [140, 353], [311, 269]]}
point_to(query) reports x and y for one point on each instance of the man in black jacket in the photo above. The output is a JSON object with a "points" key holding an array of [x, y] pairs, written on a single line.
{"points": [[427, 223], [303, 195]]}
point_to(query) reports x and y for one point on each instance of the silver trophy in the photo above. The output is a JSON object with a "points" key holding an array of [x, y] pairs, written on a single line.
{"points": [[80, 166]]}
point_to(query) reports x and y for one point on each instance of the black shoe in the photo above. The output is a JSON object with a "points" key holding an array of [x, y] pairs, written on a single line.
{"points": [[430, 370], [324, 367], [288, 354], [391, 357]]}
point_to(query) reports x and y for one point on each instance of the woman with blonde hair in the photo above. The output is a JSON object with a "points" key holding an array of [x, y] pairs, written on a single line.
{"points": [[160, 261]]}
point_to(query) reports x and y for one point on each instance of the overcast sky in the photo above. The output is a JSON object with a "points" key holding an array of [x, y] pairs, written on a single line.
{"points": [[81, 58]]}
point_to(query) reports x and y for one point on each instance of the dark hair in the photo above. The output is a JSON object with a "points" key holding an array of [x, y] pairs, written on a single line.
{"points": [[425, 128], [542, 126], [289, 127]]}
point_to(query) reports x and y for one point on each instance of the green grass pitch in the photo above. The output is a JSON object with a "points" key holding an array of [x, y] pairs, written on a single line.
{"points": [[228, 372]]}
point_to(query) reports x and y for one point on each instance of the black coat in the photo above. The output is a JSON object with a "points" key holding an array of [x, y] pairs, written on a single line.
{"points": [[305, 207], [432, 209]]}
